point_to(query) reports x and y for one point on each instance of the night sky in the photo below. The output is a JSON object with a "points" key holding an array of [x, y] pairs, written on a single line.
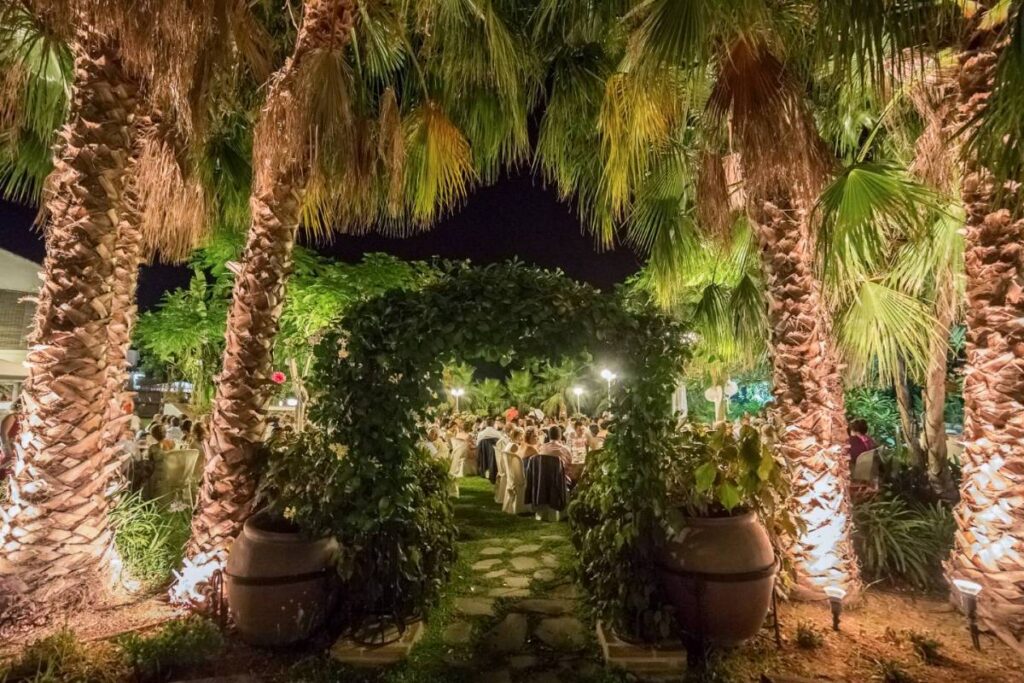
{"points": [[516, 217]]}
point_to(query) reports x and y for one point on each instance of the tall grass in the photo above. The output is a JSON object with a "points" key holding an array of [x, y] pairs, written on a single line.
{"points": [[901, 542], [150, 536]]}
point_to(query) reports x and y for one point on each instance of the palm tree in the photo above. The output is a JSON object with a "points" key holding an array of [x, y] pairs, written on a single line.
{"points": [[282, 162], [58, 543], [520, 388], [989, 518], [327, 123], [558, 380]]}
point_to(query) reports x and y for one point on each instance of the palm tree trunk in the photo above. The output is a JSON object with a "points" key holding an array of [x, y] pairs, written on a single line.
{"points": [[56, 539], [282, 173], [939, 476], [905, 406], [127, 257], [808, 394], [990, 518]]}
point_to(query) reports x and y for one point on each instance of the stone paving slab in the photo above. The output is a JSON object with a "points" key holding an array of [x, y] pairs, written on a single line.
{"points": [[496, 574], [526, 549], [348, 651], [524, 564], [457, 633], [562, 633], [486, 565], [548, 607], [508, 636], [517, 581], [545, 575], [507, 592], [490, 552], [474, 607], [549, 560]]}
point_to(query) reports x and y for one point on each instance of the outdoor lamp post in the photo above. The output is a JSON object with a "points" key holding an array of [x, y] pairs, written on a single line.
{"points": [[577, 391], [608, 376], [457, 392], [835, 600], [970, 590]]}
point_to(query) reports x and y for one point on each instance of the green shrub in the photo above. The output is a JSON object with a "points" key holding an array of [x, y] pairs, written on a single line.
{"points": [[926, 647], [150, 537], [63, 658], [876, 407], [901, 542], [177, 646], [808, 637], [891, 671]]}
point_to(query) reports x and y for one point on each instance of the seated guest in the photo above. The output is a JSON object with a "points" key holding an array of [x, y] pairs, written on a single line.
{"points": [[492, 431], [531, 437], [594, 443], [196, 436], [160, 442], [554, 446], [860, 442], [175, 432]]}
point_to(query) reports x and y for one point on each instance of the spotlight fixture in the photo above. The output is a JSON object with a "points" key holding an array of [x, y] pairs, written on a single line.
{"points": [[970, 590], [835, 600]]}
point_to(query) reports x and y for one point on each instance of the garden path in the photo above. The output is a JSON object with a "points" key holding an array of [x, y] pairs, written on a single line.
{"points": [[511, 612]]}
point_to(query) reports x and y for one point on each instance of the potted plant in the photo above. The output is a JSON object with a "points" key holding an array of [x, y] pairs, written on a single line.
{"points": [[718, 565]]}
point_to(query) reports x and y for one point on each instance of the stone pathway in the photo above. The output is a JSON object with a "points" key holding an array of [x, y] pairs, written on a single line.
{"points": [[516, 617]]}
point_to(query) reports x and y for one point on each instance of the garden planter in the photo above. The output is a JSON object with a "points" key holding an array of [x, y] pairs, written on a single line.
{"points": [[719, 574], [280, 585]]}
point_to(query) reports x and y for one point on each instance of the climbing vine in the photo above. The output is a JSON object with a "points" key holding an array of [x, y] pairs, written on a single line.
{"points": [[381, 367]]}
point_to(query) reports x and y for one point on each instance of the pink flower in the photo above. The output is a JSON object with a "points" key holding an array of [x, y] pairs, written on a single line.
{"points": [[278, 377]]}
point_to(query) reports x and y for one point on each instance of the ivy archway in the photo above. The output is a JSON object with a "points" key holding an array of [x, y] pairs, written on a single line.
{"points": [[380, 369]]}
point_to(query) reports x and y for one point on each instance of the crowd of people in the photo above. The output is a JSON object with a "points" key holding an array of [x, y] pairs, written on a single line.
{"points": [[531, 459]]}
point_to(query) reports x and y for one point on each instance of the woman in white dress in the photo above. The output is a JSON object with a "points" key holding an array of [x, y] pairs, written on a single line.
{"points": [[463, 453], [515, 488]]}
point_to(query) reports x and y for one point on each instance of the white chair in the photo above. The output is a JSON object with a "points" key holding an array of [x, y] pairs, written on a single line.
{"points": [[463, 462], [866, 468], [500, 481], [515, 486], [176, 475]]}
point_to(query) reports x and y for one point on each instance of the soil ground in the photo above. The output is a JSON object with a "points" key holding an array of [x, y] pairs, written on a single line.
{"points": [[511, 614]]}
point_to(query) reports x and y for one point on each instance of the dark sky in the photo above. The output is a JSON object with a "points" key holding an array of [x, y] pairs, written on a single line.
{"points": [[514, 218]]}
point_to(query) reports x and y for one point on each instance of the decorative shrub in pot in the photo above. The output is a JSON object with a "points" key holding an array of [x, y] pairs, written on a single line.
{"points": [[717, 565], [280, 583]]}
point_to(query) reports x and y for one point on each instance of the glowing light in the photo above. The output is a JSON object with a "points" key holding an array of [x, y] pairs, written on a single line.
{"points": [[291, 401], [835, 592], [190, 583], [607, 375], [967, 587], [577, 390]]}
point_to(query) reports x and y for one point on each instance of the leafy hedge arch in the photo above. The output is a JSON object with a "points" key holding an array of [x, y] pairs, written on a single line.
{"points": [[380, 368]]}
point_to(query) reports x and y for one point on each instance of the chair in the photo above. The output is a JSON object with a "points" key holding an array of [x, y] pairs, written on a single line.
{"points": [[515, 486], [462, 466], [485, 466], [174, 475], [865, 474], [500, 462], [546, 487]]}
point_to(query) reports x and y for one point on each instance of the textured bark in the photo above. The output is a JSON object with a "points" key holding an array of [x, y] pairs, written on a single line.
{"points": [[55, 537], [127, 257], [809, 398], [939, 477], [282, 167], [990, 515], [905, 406]]}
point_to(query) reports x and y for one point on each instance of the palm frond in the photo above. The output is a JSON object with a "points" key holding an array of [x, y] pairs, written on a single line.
{"points": [[882, 328], [996, 137], [861, 213], [439, 165]]}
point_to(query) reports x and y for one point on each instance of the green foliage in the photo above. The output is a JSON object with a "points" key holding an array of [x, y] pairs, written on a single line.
{"points": [[63, 658], [878, 408], [808, 636], [713, 472], [184, 337], [490, 396], [176, 647], [926, 647], [150, 538], [901, 542], [891, 671], [396, 526], [383, 367]]}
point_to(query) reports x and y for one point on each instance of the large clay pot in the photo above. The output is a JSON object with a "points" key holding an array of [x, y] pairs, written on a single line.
{"points": [[719, 574], [280, 585]]}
